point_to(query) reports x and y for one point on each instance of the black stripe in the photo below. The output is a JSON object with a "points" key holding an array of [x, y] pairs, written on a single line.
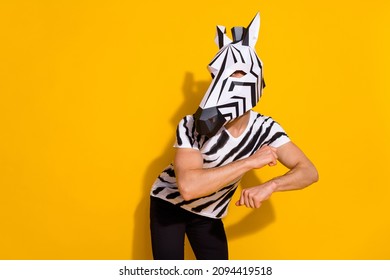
{"points": [[192, 134], [227, 197], [216, 79], [170, 171], [178, 138], [222, 211], [188, 132], [228, 186], [233, 105], [164, 181], [228, 116], [200, 207], [257, 77], [220, 38], [209, 161], [225, 200], [258, 61], [222, 87], [173, 195], [158, 190], [248, 147], [241, 144], [221, 142], [246, 84], [242, 58], [261, 74], [275, 137], [243, 101], [216, 57], [261, 140], [200, 139], [252, 66], [234, 57], [184, 202]]}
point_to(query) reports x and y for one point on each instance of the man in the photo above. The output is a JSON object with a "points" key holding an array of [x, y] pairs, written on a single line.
{"points": [[215, 147]]}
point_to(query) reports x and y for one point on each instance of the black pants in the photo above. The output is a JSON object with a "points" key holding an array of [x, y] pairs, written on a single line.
{"points": [[169, 224]]}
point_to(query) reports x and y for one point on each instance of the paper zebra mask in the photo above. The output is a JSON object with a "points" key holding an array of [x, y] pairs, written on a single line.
{"points": [[229, 97]]}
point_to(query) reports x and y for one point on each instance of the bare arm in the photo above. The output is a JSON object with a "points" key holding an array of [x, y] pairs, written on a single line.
{"points": [[302, 173], [195, 181]]}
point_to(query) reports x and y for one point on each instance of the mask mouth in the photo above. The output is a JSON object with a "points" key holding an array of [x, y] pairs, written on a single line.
{"points": [[208, 121]]}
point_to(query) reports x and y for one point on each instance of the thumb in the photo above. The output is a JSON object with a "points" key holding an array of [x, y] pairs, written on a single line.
{"points": [[238, 203]]}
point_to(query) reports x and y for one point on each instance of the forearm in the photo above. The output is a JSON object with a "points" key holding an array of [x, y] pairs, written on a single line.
{"points": [[194, 181], [198, 182], [297, 178]]}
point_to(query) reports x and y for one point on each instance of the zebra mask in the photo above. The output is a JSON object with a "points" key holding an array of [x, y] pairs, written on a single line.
{"points": [[230, 97]]}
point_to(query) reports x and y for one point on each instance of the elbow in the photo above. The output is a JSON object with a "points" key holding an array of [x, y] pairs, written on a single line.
{"points": [[310, 176], [185, 189], [187, 196], [314, 176]]}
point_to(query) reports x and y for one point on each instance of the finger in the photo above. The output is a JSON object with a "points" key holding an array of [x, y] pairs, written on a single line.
{"points": [[273, 162], [249, 202], [258, 204], [245, 199], [242, 200], [252, 203]]}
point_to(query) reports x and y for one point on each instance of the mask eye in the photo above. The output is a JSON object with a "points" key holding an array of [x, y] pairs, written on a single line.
{"points": [[238, 74]]}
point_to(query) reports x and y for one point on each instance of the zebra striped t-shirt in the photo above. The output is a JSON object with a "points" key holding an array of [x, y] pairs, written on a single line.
{"points": [[218, 150]]}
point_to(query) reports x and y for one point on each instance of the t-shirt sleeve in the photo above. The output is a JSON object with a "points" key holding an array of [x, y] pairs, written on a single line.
{"points": [[186, 136], [277, 136]]}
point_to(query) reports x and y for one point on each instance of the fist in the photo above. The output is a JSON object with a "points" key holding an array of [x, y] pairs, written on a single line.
{"points": [[266, 155], [255, 196]]}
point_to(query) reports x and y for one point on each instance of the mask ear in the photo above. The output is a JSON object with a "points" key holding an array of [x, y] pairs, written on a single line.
{"points": [[252, 32], [220, 38]]}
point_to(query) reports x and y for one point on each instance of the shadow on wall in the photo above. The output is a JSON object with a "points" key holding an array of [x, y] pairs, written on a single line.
{"points": [[257, 219], [193, 92]]}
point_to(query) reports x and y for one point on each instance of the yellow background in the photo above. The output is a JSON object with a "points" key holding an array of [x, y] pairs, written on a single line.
{"points": [[91, 92]]}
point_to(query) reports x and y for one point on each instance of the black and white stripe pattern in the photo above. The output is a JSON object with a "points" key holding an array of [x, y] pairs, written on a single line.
{"points": [[234, 96], [218, 150], [230, 96]]}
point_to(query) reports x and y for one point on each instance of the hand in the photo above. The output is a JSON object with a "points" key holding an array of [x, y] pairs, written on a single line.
{"points": [[255, 196], [266, 155]]}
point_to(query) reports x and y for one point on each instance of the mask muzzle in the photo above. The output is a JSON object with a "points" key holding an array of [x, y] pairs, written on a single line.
{"points": [[208, 121]]}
